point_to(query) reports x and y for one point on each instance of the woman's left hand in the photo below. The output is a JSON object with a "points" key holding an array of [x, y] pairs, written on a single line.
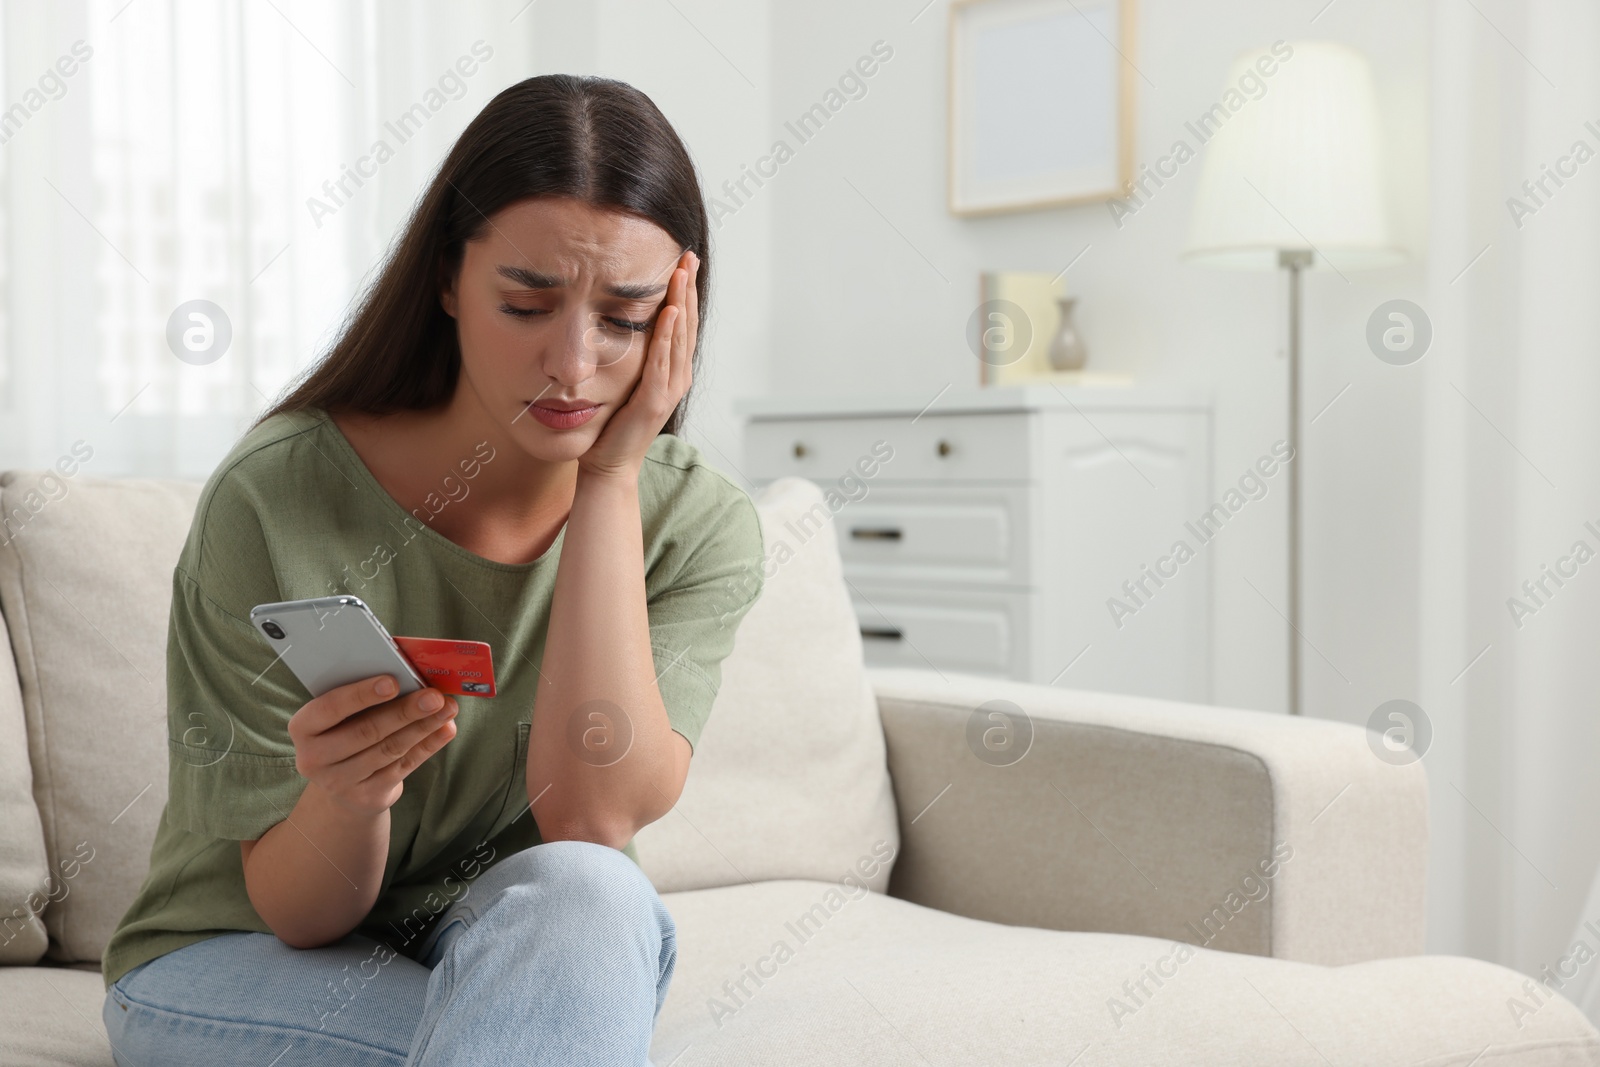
{"points": [[668, 371]]}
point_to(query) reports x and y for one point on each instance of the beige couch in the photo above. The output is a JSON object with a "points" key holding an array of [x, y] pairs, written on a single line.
{"points": [[1037, 910]]}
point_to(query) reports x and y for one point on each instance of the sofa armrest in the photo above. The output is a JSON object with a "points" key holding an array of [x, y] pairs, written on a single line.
{"points": [[1238, 830]]}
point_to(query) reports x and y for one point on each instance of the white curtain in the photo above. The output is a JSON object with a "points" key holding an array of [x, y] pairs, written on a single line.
{"points": [[177, 162], [1510, 478]]}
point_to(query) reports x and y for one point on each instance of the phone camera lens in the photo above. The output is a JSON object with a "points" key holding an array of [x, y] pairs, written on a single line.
{"points": [[273, 630]]}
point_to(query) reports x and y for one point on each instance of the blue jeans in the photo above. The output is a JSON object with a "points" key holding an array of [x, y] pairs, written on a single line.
{"points": [[558, 954]]}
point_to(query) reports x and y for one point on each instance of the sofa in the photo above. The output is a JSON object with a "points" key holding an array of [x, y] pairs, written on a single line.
{"points": [[868, 866]]}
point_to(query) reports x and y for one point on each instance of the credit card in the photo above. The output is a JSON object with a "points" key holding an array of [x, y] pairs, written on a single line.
{"points": [[463, 668]]}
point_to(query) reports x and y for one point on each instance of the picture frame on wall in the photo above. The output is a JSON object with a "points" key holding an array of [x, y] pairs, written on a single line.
{"points": [[1041, 103]]}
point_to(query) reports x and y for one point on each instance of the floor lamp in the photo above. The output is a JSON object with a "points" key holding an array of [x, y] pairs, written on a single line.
{"points": [[1291, 179]]}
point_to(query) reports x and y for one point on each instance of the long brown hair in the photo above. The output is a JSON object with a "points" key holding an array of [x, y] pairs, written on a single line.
{"points": [[595, 139]]}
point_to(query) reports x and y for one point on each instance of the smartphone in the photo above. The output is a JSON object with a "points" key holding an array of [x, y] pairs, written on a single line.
{"points": [[331, 641]]}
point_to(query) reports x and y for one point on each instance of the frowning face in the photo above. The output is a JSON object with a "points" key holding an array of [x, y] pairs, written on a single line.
{"points": [[554, 307]]}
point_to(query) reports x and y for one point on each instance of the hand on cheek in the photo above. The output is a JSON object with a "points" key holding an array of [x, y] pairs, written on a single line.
{"points": [[665, 374]]}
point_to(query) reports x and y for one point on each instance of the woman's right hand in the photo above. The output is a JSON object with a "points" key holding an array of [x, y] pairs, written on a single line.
{"points": [[357, 743]]}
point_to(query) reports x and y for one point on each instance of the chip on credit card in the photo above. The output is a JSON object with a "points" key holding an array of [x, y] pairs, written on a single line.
{"points": [[460, 667]]}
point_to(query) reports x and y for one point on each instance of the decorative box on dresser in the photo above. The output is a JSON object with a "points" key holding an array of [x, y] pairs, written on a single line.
{"points": [[990, 530]]}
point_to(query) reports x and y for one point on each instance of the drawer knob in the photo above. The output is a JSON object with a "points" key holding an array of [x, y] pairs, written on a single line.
{"points": [[864, 533], [943, 447], [799, 449], [890, 633]]}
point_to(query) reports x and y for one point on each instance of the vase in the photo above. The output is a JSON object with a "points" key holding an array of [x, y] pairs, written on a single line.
{"points": [[1067, 351]]}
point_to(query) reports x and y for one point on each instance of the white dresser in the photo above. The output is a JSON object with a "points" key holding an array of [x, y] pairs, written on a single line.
{"points": [[988, 533]]}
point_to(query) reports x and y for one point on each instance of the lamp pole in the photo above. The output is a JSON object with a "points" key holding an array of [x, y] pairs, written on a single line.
{"points": [[1294, 260]]}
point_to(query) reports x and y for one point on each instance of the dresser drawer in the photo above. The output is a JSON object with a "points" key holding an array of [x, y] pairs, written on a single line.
{"points": [[968, 447], [939, 533], [958, 630]]}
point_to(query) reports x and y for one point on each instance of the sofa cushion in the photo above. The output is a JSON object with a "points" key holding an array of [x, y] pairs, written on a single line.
{"points": [[798, 973], [61, 1007], [86, 590], [837, 975], [25, 885], [790, 778]]}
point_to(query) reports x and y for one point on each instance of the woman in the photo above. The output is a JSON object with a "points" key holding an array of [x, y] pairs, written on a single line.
{"points": [[488, 453]]}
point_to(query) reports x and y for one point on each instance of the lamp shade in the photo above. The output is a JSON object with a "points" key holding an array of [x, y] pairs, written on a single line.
{"points": [[1295, 165]]}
